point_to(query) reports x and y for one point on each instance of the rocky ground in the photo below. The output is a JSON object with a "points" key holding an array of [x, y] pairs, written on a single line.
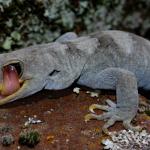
{"points": [[59, 118]]}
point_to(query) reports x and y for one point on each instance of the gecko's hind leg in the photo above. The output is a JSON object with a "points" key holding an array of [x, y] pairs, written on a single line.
{"points": [[125, 109]]}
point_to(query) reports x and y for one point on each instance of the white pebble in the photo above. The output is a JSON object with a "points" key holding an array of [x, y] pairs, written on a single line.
{"points": [[93, 94], [32, 121], [76, 90]]}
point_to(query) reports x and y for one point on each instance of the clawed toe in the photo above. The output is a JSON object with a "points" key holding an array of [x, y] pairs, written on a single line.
{"points": [[127, 124], [96, 106], [88, 117], [108, 124], [111, 104], [109, 115], [112, 115], [104, 116]]}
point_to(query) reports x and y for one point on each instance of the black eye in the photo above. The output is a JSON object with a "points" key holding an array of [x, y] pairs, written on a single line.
{"points": [[54, 72]]}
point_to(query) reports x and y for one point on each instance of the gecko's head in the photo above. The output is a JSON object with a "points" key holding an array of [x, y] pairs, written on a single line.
{"points": [[10, 80]]}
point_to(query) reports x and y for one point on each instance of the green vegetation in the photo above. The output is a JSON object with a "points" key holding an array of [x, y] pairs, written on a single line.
{"points": [[7, 140], [5, 128], [29, 138], [26, 22]]}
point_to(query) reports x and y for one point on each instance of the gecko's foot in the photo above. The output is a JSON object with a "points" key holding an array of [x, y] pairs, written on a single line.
{"points": [[112, 115]]}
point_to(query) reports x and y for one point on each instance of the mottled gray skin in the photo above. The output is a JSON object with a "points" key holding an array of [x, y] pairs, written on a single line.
{"points": [[105, 60]]}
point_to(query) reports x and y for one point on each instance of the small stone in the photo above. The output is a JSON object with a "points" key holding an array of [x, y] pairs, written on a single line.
{"points": [[76, 90], [50, 138], [108, 144], [48, 112], [51, 109], [35, 116], [32, 121], [26, 124], [67, 140], [93, 94]]}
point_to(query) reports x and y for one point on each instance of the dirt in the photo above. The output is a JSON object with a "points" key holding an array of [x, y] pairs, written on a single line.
{"points": [[62, 115]]}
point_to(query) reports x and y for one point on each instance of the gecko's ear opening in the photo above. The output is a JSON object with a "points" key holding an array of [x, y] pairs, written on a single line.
{"points": [[18, 66]]}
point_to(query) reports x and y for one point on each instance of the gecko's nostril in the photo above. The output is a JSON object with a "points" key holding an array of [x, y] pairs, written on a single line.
{"points": [[18, 66]]}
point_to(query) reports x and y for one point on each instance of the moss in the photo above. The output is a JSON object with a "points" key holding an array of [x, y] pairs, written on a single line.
{"points": [[24, 23], [7, 140], [29, 138], [5, 129]]}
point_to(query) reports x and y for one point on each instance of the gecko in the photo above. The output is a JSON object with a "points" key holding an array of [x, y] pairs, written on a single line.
{"points": [[112, 59]]}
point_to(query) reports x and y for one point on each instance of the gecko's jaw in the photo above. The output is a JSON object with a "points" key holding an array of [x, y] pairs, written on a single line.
{"points": [[10, 84]]}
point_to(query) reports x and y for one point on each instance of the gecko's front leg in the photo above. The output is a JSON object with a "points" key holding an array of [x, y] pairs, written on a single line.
{"points": [[127, 98], [60, 80]]}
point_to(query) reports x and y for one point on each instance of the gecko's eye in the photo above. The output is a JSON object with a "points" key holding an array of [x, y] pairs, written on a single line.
{"points": [[18, 66]]}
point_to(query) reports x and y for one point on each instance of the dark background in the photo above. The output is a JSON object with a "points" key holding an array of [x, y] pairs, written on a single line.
{"points": [[28, 22]]}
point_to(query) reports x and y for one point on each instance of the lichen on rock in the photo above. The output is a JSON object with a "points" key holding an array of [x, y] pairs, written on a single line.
{"points": [[130, 140]]}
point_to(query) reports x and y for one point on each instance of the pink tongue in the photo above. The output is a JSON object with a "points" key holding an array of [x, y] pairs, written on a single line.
{"points": [[10, 81]]}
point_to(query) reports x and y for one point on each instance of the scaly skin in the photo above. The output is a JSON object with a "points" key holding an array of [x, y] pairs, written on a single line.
{"points": [[106, 60]]}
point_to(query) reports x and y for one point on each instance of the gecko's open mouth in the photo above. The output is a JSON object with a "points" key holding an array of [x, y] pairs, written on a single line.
{"points": [[11, 82]]}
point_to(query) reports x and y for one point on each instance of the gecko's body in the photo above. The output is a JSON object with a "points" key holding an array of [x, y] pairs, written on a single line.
{"points": [[105, 60]]}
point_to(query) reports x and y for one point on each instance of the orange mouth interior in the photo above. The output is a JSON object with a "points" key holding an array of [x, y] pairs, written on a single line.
{"points": [[10, 83]]}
